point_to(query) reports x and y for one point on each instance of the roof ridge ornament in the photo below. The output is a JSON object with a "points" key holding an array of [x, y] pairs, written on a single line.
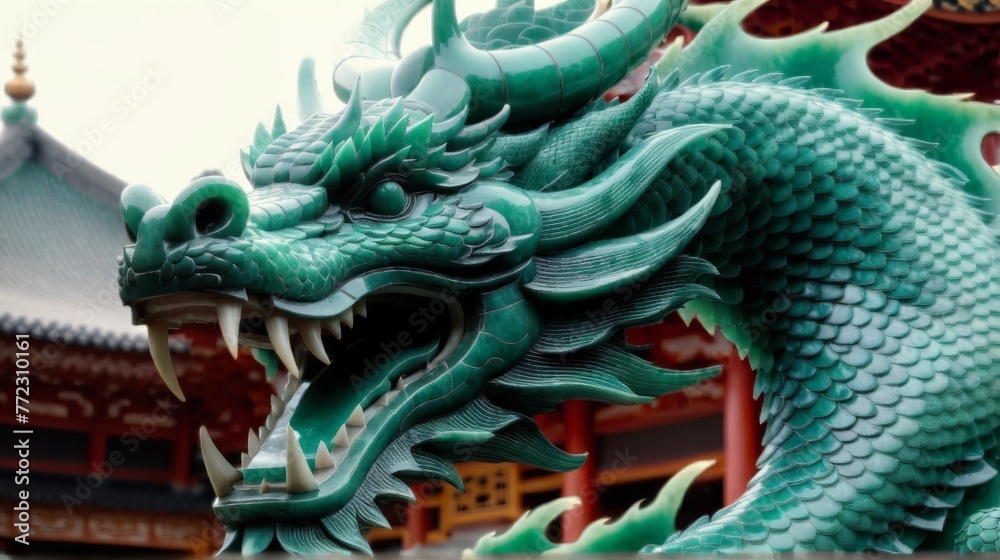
{"points": [[20, 89]]}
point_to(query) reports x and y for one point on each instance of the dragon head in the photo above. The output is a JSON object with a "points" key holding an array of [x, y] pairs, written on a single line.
{"points": [[430, 277]]}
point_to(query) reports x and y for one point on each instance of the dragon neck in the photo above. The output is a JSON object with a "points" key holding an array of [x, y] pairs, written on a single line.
{"points": [[857, 283]]}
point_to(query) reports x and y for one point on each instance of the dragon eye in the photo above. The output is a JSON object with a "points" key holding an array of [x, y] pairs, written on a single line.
{"points": [[387, 199]]}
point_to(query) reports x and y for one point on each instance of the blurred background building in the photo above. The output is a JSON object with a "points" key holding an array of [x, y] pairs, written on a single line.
{"points": [[115, 461], [114, 457]]}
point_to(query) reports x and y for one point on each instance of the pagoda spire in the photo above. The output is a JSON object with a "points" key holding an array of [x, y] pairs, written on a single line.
{"points": [[19, 89]]}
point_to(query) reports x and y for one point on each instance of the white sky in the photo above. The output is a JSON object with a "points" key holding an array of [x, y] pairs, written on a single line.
{"points": [[177, 85]]}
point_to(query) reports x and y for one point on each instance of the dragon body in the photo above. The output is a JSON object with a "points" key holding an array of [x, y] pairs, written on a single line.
{"points": [[462, 246]]}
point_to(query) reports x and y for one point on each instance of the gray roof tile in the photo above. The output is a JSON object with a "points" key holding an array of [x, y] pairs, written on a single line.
{"points": [[60, 234]]}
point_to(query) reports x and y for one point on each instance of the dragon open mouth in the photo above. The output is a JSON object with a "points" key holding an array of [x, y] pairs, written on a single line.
{"points": [[339, 406]]}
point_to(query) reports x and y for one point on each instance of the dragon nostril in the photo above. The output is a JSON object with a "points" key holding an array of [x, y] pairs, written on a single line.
{"points": [[210, 206], [211, 216]]}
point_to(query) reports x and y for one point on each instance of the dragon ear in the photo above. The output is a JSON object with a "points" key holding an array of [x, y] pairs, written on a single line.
{"points": [[569, 154], [599, 268], [573, 216]]}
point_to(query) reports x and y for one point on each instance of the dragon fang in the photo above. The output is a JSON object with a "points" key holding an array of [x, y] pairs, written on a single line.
{"points": [[442, 258]]}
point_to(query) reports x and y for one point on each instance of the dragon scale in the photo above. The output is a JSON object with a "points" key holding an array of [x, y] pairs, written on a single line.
{"points": [[463, 245], [880, 378]]}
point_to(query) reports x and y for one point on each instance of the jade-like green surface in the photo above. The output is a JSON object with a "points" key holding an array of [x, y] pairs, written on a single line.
{"points": [[462, 246]]}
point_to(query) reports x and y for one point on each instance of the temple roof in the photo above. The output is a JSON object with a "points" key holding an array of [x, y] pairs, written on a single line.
{"points": [[61, 234]]}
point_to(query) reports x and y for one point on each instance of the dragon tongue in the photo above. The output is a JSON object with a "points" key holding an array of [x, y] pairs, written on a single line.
{"points": [[159, 350]]}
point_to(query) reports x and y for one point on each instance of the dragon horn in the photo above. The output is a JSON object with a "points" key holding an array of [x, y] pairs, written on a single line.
{"points": [[573, 216], [350, 119], [539, 82], [310, 101], [550, 78], [373, 52]]}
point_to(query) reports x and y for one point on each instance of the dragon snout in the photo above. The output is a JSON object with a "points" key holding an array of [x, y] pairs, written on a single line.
{"points": [[208, 207]]}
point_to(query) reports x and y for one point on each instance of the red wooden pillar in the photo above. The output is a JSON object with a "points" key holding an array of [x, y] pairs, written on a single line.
{"points": [[580, 439], [991, 148], [740, 438], [417, 524], [181, 467]]}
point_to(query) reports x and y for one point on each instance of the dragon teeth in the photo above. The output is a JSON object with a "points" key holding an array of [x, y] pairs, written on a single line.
{"points": [[265, 486], [333, 325], [323, 458], [244, 460], [277, 405], [403, 381], [361, 308], [341, 439], [384, 399], [277, 331], [309, 330], [357, 419], [229, 323], [253, 443], [270, 421], [455, 335], [347, 318], [159, 350], [291, 386], [298, 477], [221, 474], [264, 432]]}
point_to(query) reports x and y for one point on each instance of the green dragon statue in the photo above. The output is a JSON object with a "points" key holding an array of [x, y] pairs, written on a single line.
{"points": [[463, 244]]}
